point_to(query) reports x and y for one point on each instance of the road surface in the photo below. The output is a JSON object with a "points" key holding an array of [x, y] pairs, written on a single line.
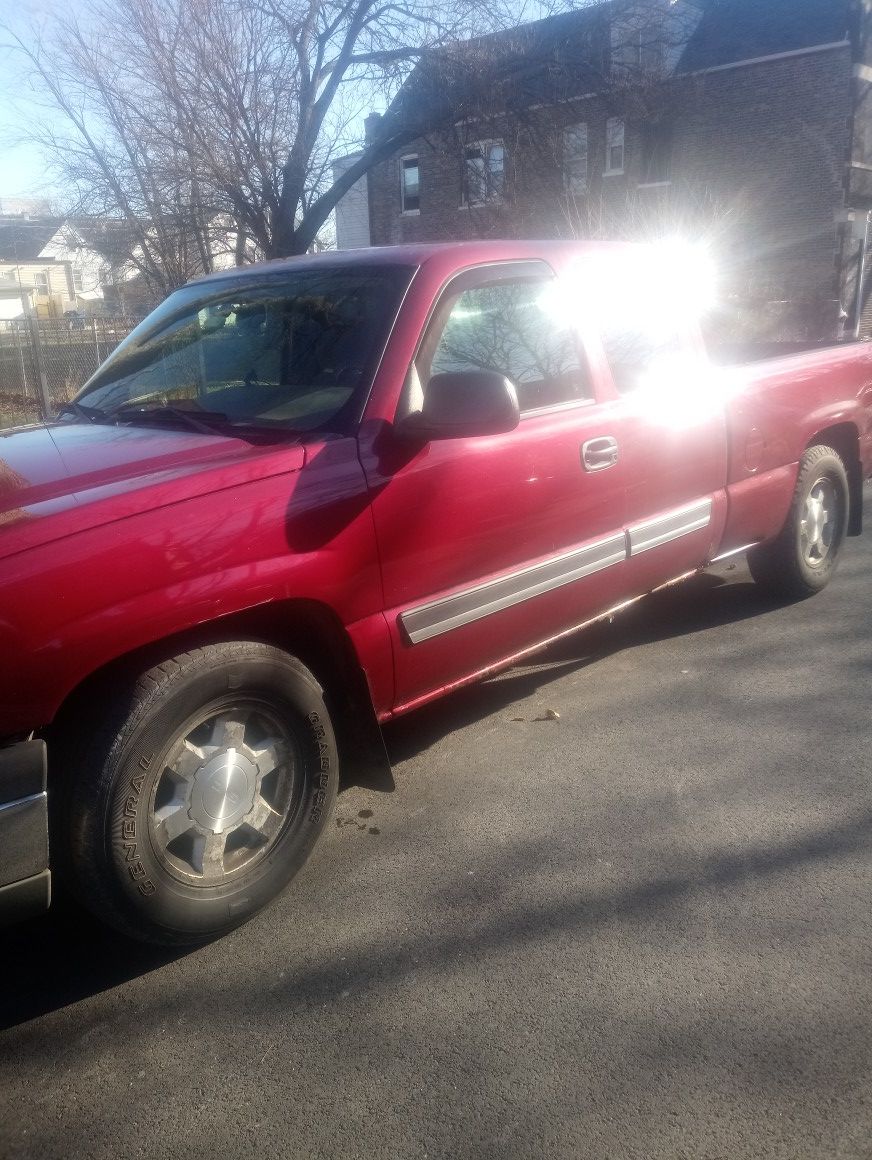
{"points": [[642, 929]]}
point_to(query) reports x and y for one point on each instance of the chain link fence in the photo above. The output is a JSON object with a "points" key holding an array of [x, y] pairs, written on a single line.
{"points": [[43, 363]]}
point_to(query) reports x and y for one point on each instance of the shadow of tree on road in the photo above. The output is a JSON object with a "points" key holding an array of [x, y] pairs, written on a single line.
{"points": [[476, 940], [60, 958]]}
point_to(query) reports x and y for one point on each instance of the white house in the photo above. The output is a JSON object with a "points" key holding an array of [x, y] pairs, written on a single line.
{"points": [[49, 266], [352, 210]]}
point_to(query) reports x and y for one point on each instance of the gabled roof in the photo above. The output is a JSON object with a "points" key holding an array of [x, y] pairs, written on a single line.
{"points": [[524, 65], [567, 54], [114, 240], [734, 30], [22, 238]]}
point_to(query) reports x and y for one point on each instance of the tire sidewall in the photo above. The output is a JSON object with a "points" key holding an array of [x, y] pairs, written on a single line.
{"points": [[827, 467], [146, 892]]}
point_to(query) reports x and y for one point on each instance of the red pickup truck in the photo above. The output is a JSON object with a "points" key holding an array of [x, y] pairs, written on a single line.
{"points": [[305, 497]]}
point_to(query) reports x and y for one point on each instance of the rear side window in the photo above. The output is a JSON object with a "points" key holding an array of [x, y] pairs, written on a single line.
{"points": [[637, 346], [645, 302], [515, 329]]}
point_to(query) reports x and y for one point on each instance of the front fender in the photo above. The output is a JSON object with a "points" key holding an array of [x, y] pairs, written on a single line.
{"points": [[70, 608]]}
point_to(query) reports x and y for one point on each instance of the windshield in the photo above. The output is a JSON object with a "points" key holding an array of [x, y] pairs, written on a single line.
{"points": [[296, 350]]}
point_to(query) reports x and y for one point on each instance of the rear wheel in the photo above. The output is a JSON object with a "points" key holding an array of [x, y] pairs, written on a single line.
{"points": [[803, 559], [204, 794]]}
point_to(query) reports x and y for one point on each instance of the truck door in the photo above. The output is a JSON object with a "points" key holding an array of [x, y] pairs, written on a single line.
{"points": [[491, 544], [671, 414]]}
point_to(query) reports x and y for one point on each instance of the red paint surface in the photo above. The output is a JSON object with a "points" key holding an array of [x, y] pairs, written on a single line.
{"points": [[115, 537]]}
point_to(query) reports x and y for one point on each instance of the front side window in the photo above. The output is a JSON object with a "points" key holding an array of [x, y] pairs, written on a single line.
{"points": [[614, 145], [78, 281], [484, 172], [516, 329], [295, 350], [410, 185], [40, 280]]}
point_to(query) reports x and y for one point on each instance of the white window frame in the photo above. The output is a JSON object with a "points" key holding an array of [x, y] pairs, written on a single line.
{"points": [[576, 183], [615, 138], [494, 196], [78, 280], [403, 210], [42, 287]]}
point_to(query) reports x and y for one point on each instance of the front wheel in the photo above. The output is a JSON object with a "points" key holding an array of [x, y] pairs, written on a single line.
{"points": [[803, 559], [205, 792]]}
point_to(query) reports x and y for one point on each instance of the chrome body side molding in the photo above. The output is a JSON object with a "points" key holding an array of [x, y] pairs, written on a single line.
{"points": [[439, 616], [683, 521], [429, 620], [733, 552]]}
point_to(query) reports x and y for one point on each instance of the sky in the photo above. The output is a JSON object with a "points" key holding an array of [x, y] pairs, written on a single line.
{"points": [[22, 172], [21, 169]]}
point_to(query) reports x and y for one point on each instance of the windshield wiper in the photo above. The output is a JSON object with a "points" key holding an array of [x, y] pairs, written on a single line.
{"points": [[206, 422], [89, 414]]}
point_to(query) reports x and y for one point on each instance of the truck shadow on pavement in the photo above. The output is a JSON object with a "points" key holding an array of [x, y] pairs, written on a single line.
{"points": [[65, 956], [705, 601]]}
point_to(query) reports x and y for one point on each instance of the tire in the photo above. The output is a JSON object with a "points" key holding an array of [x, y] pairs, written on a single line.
{"points": [[169, 842], [804, 557]]}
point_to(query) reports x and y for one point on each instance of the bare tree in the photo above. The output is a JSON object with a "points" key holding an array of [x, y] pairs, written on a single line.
{"points": [[207, 123], [207, 128]]}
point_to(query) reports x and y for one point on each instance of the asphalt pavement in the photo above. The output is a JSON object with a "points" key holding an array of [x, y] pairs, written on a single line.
{"points": [[636, 926]]}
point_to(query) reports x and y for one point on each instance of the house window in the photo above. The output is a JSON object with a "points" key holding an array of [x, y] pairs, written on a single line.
{"points": [[639, 49], [651, 48], [575, 158], [40, 281], [410, 185], [614, 145], [78, 282], [656, 153], [484, 172]]}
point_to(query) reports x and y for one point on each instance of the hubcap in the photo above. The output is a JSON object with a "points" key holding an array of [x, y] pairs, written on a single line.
{"points": [[817, 528], [223, 791], [224, 794]]}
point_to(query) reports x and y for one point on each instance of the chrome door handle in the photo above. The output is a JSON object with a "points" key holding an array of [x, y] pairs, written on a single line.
{"points": [[598, 454]]}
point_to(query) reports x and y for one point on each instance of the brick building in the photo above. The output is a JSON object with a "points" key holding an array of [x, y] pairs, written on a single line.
{"points": [[744, 122]]}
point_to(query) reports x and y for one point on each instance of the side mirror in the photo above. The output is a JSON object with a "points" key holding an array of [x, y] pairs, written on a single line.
{"points": [[462, 405]]}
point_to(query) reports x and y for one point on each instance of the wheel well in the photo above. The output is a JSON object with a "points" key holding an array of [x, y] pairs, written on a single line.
{"points": [[844, 438], [303, 628]]}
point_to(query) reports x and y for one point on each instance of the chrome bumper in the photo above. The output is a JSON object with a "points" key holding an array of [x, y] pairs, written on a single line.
{"points": [[25, 880]]}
